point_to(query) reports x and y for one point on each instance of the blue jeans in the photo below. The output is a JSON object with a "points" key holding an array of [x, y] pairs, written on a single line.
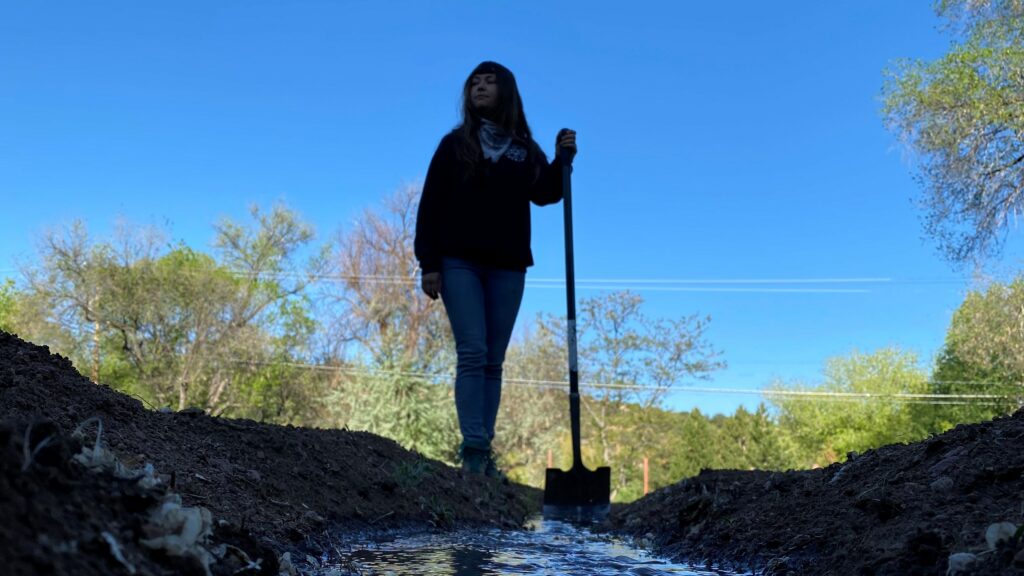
{"points": [[482, 304]]}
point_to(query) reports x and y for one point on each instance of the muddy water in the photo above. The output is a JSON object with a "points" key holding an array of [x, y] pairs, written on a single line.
{"points": [[547, 547]]}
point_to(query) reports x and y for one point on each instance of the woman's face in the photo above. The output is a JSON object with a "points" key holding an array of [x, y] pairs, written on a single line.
{"points": [[483, 91]]}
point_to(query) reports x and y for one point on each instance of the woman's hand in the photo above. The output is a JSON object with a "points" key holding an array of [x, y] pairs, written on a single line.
{"points": [[431, 284], [566, 139]]}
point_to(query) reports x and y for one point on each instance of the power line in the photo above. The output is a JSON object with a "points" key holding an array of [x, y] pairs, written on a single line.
{"points": [[585, 286], [978, 383], [451, 375], [685, 285], [728, 280], [928, 398], [413, 278], [599, 284], [650, 284]]}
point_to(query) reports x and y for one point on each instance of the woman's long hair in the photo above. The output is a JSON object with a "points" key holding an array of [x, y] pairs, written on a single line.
{"points": [[507, 113]]}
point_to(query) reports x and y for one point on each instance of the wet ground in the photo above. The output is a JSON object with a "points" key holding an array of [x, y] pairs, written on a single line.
{"points": [[544, 547], [185, 493]]}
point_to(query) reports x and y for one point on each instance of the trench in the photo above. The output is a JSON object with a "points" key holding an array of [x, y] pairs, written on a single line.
{"points": [[544, 547]]}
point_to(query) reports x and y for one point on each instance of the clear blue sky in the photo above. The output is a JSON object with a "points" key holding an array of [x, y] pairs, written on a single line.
{"points": [[718, 141]]}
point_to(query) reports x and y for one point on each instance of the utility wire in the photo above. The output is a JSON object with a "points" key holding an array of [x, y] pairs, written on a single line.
{"points": [[414, 278], [642, 284], [666, 285], [451, 375], [928, 398]]}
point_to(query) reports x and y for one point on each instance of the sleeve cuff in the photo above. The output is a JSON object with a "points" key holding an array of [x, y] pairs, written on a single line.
{"points": [[428, 266]]}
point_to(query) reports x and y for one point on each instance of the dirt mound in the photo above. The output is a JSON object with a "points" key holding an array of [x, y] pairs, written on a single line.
{"points": [[280, 486], [899, 510], [62, 518]]}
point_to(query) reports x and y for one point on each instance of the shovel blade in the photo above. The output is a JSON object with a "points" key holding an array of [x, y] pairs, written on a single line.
{"points": [[577, 494]]}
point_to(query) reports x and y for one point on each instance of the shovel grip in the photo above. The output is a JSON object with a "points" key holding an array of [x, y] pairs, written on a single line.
{"points": [[563, 153]]}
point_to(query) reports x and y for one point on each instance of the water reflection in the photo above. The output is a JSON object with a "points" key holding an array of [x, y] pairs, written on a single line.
{"points": [[469, 561], [547, 547]]}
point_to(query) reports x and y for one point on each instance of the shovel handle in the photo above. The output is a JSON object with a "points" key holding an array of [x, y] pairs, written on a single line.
{"points": [[570, 299]]}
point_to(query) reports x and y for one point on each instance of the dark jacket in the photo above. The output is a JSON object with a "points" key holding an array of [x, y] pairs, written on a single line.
{"points": [[484, 218]]}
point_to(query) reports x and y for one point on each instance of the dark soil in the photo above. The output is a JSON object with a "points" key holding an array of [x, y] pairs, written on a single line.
{"points": [[269, 488], [899, 510]]}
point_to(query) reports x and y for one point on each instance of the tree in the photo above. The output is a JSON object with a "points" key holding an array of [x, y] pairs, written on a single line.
{"points": [[395, 342], [534, 407], [280, 387], [964, 117], [380, 315], [825, 428], [7, 305], [752, 440], [983, 354], [395, 354], [688, 442], [627, 358], [176, 326]]}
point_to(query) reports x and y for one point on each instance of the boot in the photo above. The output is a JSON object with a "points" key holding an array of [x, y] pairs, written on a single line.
{"points": [[474, 460], [491, 470]]}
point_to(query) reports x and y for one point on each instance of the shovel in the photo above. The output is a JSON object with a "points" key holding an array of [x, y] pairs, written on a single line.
{"points": [[578, 494]]}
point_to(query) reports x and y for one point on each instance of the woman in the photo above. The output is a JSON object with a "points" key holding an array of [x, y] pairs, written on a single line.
{"points": [[473, 240]]}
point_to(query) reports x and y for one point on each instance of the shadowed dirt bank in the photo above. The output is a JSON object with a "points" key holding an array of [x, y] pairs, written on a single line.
{"points": [[899, 510], [268, 488], [231, 496]]}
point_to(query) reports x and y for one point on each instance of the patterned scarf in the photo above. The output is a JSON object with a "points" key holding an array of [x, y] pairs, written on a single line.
{"points": [[494, 141]]}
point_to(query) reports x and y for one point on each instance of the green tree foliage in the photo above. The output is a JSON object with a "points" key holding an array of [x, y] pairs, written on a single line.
{"points": [[177, 327], [395, 357], [984, 354], [963, 115], [687, 442], [628, 359], [752, 440], [416, 412], [390, 336], [8, 301], [237, 333], [825, 428], [641, 358], [534, 408]]}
